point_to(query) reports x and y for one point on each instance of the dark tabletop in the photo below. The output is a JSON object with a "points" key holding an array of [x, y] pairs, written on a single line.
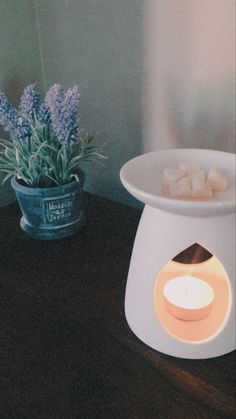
{"points": [[66, 351]]}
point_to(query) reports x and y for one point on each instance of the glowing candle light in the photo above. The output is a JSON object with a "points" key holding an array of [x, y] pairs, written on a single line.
{"points": [[188, 298]]}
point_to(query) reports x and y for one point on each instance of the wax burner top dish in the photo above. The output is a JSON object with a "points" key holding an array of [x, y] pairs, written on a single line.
{"points": [[142, 177]]}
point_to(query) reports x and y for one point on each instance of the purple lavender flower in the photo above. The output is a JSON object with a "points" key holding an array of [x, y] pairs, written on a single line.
{"points": [[72, 98], [17, 127], [29, 102], [44, 116], [53, 100], [58, 111], [8, 115], [23, 130], [64, 110], [70, 111]]}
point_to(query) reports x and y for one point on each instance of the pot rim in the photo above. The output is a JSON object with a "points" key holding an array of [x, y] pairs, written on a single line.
{"points": [[29, 189]]}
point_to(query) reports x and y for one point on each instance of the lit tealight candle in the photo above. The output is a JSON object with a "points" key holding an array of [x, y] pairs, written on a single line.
{"points": [[188, 298]]}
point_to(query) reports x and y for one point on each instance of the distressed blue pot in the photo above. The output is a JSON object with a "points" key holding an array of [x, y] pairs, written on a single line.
{"points": [[51, 213]]}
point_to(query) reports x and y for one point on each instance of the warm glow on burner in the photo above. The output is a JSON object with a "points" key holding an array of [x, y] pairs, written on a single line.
{"points": [[188, 298]]}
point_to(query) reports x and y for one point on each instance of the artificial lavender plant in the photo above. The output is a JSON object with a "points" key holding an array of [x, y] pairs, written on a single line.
{"points": [[45, 146]]}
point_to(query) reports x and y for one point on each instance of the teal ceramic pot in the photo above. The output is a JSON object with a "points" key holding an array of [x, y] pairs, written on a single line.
{"points": [[51, 213]]}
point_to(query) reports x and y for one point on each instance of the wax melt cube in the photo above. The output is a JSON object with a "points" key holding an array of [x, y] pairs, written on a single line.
{"points": [[217, 179], [190, 168], [181, 188], [200, 187], [172, 175], [198, 175]]}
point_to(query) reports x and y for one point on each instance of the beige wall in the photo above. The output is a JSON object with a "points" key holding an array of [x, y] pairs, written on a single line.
{"points": [[189, 75], [153, 74], [98, 45], [19, 57]]}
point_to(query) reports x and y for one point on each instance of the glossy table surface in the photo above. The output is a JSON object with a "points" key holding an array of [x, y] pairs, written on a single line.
{"points": [[66, 350]]}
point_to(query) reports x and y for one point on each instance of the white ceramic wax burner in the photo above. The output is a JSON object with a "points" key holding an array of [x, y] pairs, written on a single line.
{"points": [[184, 309]]}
